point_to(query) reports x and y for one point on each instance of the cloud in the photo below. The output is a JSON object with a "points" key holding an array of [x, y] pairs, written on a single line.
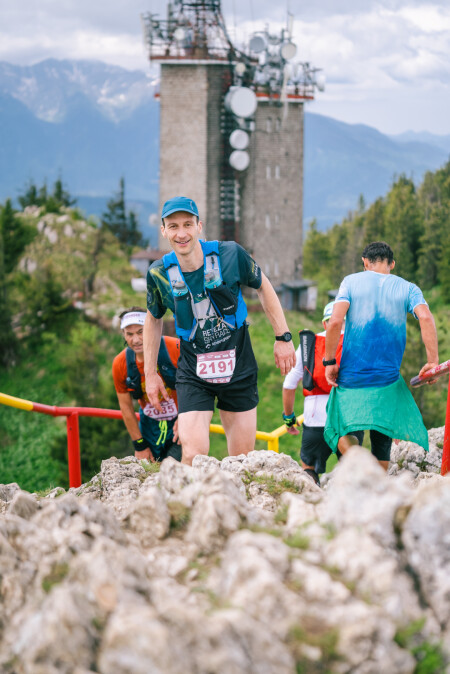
{"points": [[374, 54]]}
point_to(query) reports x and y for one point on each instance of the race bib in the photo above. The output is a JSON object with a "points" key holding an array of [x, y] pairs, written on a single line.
{"points": [[216, 367], [169, 410]]}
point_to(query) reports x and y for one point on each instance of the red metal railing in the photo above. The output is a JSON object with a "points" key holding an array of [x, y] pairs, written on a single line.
{"points": [[72, 415]]}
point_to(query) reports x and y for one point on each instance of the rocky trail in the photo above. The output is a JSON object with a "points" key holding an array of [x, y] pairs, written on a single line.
{"points": [[231, 567]]}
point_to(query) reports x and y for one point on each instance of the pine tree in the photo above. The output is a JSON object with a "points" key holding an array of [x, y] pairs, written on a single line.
{"points": [[444, 268], [316, 251], [404, 226], [30, 197], [16, 235], [61, 195], [124, 226], [431, 241], [7, 338], [374, 222]]}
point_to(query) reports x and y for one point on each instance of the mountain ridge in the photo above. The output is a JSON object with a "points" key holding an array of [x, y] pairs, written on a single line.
{"points": [[92, 123]]}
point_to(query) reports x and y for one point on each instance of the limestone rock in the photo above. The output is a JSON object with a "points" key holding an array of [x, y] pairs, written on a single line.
{"points": [[231, 567]]}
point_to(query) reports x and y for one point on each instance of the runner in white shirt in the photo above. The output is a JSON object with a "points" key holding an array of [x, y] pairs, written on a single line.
{"points": [[314, 450]]}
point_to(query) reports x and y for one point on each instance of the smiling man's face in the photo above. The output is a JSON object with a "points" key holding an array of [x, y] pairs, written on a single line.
{"points": [[182, 231]]}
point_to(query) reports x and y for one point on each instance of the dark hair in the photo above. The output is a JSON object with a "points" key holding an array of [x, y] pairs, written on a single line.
{"points": [[144, 311], [378, 250]]}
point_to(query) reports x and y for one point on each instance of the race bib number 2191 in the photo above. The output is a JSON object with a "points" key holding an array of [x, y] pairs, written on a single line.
{"points": [[216, 367]]}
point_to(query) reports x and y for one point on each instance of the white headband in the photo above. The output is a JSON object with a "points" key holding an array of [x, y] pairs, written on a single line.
{"points": [[132, 318]]}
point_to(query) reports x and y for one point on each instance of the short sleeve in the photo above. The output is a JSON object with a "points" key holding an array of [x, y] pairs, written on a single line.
{"points": [[249, 270], [154, 301], [344, 294], [415, 297], [119, 373]]}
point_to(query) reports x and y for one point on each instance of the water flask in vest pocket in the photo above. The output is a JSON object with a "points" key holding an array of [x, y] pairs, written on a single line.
{"points": [[223, 299], [307, 350], [183, 307]]}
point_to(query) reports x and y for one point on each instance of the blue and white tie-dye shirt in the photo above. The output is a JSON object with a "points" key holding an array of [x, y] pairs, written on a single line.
{"points": [[375, 329]]}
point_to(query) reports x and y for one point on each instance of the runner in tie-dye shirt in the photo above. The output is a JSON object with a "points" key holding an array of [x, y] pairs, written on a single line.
{"points": [[371, 394]]}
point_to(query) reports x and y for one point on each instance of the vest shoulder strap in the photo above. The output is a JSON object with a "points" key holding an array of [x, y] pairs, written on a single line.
{"points": [[133, 380], [166, 368]]}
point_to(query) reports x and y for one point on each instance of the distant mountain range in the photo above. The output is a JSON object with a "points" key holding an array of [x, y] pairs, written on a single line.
{"points": [[92, 123]]}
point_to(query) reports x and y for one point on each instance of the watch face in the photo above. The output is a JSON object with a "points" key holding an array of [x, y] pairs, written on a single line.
{"points": [[285, 337]]}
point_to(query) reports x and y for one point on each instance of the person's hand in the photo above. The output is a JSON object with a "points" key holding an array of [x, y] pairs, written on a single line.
{"points": [[290, 421], [284, 353], [155, 389], [331, 374], [142, 450], [175, 430], [426, 367]]}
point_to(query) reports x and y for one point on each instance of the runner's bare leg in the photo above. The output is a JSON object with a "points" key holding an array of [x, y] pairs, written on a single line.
{"points": [[193, 430], [346, 442], [240, 429]]}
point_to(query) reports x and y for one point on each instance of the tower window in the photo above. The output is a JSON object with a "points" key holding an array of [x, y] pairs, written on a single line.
{"points": [[277, 124], [269, 125], [267, 221], [277, 172], [268, 172]]}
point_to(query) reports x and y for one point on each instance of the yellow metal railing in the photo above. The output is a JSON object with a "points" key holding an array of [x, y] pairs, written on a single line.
{"points": [[73, 437], [271, 438]]}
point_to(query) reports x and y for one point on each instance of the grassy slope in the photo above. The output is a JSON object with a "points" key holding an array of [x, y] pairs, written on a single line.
{"points": [[26, 438]]}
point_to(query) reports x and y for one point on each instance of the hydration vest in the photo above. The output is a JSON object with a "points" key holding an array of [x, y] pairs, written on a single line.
{"points": [[166, 368], [219, 302], [312, 352]]}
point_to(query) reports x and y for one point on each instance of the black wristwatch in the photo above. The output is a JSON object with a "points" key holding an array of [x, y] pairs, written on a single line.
{"points": [[328, 362], [285, 337]]}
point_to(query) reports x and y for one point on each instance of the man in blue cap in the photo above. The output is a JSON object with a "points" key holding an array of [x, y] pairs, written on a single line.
{"points": [[200, 282]]}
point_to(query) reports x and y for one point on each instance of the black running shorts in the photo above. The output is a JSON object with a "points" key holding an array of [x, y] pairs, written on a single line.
{"points": [[315, 451], [199, 396]]}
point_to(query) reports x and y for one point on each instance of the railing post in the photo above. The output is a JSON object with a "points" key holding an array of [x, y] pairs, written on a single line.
{"points": [[73, 450], [446, 449]]}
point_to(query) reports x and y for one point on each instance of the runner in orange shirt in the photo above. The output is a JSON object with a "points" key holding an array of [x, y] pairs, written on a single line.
{"points": [[155, 437]]}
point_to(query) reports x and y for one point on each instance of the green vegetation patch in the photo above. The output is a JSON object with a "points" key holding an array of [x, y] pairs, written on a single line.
{"points": [[180, 516], [297, 540], [429, 657], [56, 576], [273, 486], [311, 634]]}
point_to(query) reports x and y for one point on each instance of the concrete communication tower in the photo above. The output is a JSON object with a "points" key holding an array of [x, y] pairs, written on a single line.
{"points": [[231, 130]]}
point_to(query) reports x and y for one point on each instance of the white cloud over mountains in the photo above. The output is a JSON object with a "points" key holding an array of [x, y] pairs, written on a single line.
{"points": [[387, 63]]}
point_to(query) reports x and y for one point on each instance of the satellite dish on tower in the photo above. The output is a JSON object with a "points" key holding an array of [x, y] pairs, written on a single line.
{"points": [[179, 34], [240, 68], [239, 139], [241, 101], [257, 44], [288, 50], [320, 82], [239, 160]]}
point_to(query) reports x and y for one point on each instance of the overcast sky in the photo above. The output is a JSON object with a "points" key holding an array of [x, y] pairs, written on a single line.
{"points": [[386, 62]]}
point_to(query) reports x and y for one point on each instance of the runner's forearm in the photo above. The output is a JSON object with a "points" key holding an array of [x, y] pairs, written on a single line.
{"points": [[152, 339], [332, 339], [272, 307], [429, 335], [288, 400], [129, 416]]}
